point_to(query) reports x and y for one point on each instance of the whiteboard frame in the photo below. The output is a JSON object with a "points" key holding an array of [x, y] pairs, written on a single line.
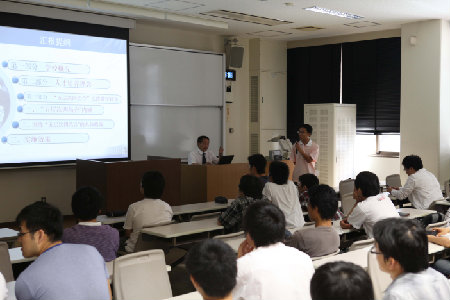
{"points": [[221, 107]]}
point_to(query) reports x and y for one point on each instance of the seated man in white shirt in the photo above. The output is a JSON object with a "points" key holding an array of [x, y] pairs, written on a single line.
{"points": [[421, 188], [284, 194], [203, 156], [267, 269], [212, 268], [150, 211], [370, 206], [401, 247]]}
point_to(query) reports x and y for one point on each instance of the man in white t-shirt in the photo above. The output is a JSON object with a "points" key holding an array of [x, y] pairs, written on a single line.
{"points": [[267, 269], [421, 188], [284, 194], [370, 206], [203, 156], [304, 153], [148, 212]]}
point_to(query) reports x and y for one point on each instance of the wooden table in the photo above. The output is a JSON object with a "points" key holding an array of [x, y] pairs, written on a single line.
{"points": [[184, 229]]}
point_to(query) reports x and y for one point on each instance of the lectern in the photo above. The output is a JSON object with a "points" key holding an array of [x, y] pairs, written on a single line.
{"points": [[119, 182]]}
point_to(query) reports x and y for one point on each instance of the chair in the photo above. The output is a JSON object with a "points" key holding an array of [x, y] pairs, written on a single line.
{"points": [[141, 275], [346, 188], [393, 180], [438, 224], [361, 244], [326, 256], [380, 280], [5, 262]]}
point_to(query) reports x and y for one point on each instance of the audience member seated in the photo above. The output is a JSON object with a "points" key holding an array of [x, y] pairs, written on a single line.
{"points": [[86, 204], [267, 269], [442, 238], [148, 212], [250, 190], [61, 271], [421, 188], [322, 239], [257, 164], [401, 247], [284, 194], [305, 182], [341, 280], [370, 206], [212, 268]]}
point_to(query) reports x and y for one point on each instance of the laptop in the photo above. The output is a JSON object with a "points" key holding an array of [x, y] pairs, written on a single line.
{"points": [[226, 159]]}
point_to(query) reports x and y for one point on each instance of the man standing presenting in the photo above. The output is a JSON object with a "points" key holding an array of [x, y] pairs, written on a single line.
{"points": [[421, 188], [201, 155], [304, 153]]}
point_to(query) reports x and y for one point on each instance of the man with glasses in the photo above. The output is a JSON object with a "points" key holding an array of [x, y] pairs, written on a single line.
{"points": [[304, 153], [61, 271], [401, 247]]}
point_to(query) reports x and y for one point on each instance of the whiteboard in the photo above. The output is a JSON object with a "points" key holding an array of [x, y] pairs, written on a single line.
{"points": [[176, 95]]}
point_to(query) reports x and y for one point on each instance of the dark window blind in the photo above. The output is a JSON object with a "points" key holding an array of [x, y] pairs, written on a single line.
{"points": [[313, 76], [371, 73]]}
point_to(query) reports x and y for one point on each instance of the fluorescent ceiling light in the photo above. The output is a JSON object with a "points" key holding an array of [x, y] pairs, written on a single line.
{"points": [[333, 12]]}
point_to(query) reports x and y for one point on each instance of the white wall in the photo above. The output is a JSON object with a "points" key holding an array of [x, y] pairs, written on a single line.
{"points": [[425, 102]]}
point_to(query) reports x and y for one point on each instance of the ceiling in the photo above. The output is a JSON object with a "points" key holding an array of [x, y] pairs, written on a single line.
{"points": [[377, 14]]}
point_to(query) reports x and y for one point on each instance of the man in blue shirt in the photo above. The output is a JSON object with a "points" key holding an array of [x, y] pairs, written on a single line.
{"points": [[61, 271]]}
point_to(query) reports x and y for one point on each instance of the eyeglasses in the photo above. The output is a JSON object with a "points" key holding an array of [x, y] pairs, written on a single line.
{"points": [[373, 250], [21, 234], [301, 131]]}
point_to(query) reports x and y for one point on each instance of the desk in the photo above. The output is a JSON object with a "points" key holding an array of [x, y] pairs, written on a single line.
{"points": [[359, 257], [442, 202], [15, 255], [105, 220], [415, 213], [8, 235], [174, 231], [234, 243]]}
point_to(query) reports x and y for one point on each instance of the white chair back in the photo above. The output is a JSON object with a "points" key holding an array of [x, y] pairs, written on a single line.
{"points": [[141, 275], [326, 256], [438, 224], [360, 244], [393, 180], [380, 280], [347, 202], [5, 262], [346, 186]]}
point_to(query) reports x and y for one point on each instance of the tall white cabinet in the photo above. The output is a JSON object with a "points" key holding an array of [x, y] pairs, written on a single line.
{"points": [[334, 130]]}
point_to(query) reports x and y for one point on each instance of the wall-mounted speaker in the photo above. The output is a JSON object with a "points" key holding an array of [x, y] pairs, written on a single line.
{"points": [[236, 56]]}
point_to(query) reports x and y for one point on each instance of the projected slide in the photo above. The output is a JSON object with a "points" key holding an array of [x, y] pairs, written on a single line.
{"points": [[62, 96]]}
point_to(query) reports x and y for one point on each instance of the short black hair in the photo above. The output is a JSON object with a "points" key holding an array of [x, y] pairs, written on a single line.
{"points": [[325, 199], [265, 223], [341, 280], [251, 186], [308, 180], [405, 241], [412, 161], [212, 264], [279, 171], [307, 127], [201, 138], [153, 184], [41, 215], [368, 183], [86, 203], [259, 162]]}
